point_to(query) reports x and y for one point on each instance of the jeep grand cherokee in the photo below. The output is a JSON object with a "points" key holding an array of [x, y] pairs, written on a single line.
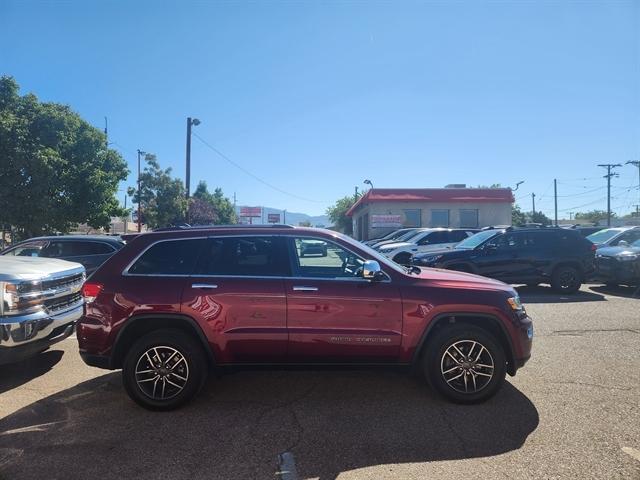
{"points": [[173, 304]]}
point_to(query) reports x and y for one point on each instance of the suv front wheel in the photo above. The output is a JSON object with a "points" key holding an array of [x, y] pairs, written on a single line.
{"points": [[566, 279], [164, 369], [465, 364]]}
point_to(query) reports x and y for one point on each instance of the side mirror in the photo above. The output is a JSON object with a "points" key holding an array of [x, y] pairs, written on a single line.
{"points": [[623, 243], [371, 270]]}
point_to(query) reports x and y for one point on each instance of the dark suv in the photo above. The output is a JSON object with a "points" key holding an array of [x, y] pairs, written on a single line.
{"points": [[170, 305], [558, 256], [89, 250]]}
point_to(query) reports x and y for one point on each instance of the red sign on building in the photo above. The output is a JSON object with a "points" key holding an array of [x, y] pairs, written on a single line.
{"points": [[250, 211]]}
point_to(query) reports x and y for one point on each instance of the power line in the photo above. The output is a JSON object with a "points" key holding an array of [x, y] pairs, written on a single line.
{"points": [[255, 177]]}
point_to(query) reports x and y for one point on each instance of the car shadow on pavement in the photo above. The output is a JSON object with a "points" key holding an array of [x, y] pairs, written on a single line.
{"points": [[332, 421], [544, 294], [618, 291], [16, 374]]}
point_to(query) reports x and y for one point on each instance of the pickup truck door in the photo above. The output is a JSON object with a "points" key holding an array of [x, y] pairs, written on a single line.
{"points": [[334, 315]]}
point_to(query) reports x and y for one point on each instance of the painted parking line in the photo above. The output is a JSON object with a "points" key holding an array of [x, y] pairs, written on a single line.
{"points": [[287, 467], [632, 452]]}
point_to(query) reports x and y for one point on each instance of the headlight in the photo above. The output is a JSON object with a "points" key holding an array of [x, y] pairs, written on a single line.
{"points": [[20, 298], [628, 258], [515, 303]]}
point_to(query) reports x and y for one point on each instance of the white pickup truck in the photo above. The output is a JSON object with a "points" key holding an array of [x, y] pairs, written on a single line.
{"points": [[41, 300]]}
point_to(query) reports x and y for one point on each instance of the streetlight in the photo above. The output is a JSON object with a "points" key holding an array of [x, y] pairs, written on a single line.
{"points": [[637, 164], [140, 153], [190, 122], [368, 182], [518, 184]]}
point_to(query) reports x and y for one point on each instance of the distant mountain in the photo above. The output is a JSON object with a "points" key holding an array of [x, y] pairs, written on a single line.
{"points": [[292, 218]]}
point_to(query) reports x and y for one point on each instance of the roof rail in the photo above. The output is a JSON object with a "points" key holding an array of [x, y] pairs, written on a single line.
{"points": [[207, 227]]}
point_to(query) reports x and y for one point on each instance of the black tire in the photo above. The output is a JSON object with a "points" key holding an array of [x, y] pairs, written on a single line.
{"points": [[403, 258], [437, 362], [188, 363], [566, 279]]}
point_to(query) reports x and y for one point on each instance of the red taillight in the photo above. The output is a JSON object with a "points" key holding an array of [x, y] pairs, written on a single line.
{"points": [[593, 247], [90, 291]]}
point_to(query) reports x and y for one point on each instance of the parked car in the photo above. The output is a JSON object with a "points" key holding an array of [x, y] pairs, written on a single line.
{"points": [[89, 250], [585, 231], [618, 265], [171, 305], [408, 233], [389, 236], [425, 241], [558, 256], [613, 237], [41, 301], [313, 247]]}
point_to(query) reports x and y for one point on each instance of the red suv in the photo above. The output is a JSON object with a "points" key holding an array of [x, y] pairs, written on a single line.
{"points": [[173, 304]]}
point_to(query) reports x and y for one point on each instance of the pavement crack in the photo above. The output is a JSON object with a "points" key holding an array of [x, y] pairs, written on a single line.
{"points": [[596, 385], [580, 332]]}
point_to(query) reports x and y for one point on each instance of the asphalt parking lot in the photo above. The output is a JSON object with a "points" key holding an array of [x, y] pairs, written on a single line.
{"points": [[572, 412]]}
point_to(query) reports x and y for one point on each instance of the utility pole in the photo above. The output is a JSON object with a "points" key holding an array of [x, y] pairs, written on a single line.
{"points": [[140, 153], [355, 197], [127, 215], [555, 199], [106, 133], [284, 213], [637, 164], [533, 200], [570, 215], [608, 176], [187, 182]]}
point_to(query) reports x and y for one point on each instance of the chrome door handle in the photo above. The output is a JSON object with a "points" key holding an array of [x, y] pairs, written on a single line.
{"points": [[305, 289], [204, 286]]}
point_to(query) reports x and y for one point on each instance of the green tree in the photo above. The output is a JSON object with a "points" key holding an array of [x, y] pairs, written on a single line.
{"points": [[338, 214], [162, 197], [222, 207], [539, 217], [56, 168], [304, 223], [593, 215], [518, 217]]}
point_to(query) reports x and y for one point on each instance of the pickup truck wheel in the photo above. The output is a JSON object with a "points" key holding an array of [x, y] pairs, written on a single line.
{"points": [[164, 369], [566, 280], [465, 364]]}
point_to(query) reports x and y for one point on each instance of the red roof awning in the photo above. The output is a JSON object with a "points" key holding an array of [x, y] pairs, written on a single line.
{"points": [[439, 195]]}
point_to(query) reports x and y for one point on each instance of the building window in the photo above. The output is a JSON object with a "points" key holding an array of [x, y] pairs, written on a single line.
{"points": [[439, 218], [469, 218], [413, 217]]}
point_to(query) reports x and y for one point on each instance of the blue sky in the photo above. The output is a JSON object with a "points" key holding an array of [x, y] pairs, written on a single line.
{"points": [[314, 97]]}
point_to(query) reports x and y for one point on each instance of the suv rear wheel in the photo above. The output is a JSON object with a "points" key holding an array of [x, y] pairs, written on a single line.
{"points": [[164, 369], [566, 279], [465, 364]]}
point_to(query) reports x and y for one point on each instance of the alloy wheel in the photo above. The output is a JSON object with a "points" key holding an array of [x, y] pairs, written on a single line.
{"points": [[161, 372], [467, 366]]}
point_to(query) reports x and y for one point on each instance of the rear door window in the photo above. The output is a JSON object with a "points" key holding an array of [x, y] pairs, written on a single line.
{"points": [[250, 256], [170, 257], [457, 236]]}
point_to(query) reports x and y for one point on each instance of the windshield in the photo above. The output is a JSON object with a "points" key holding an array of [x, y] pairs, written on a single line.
{"points": [[381, 259], [603, 235], [473, 241]]}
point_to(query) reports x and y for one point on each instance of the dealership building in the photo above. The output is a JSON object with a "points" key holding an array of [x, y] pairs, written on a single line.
{"points": [[382, 210]]}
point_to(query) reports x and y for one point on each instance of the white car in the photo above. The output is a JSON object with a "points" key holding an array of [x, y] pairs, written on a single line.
{"points": [[425, 241], [611, 237]]}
